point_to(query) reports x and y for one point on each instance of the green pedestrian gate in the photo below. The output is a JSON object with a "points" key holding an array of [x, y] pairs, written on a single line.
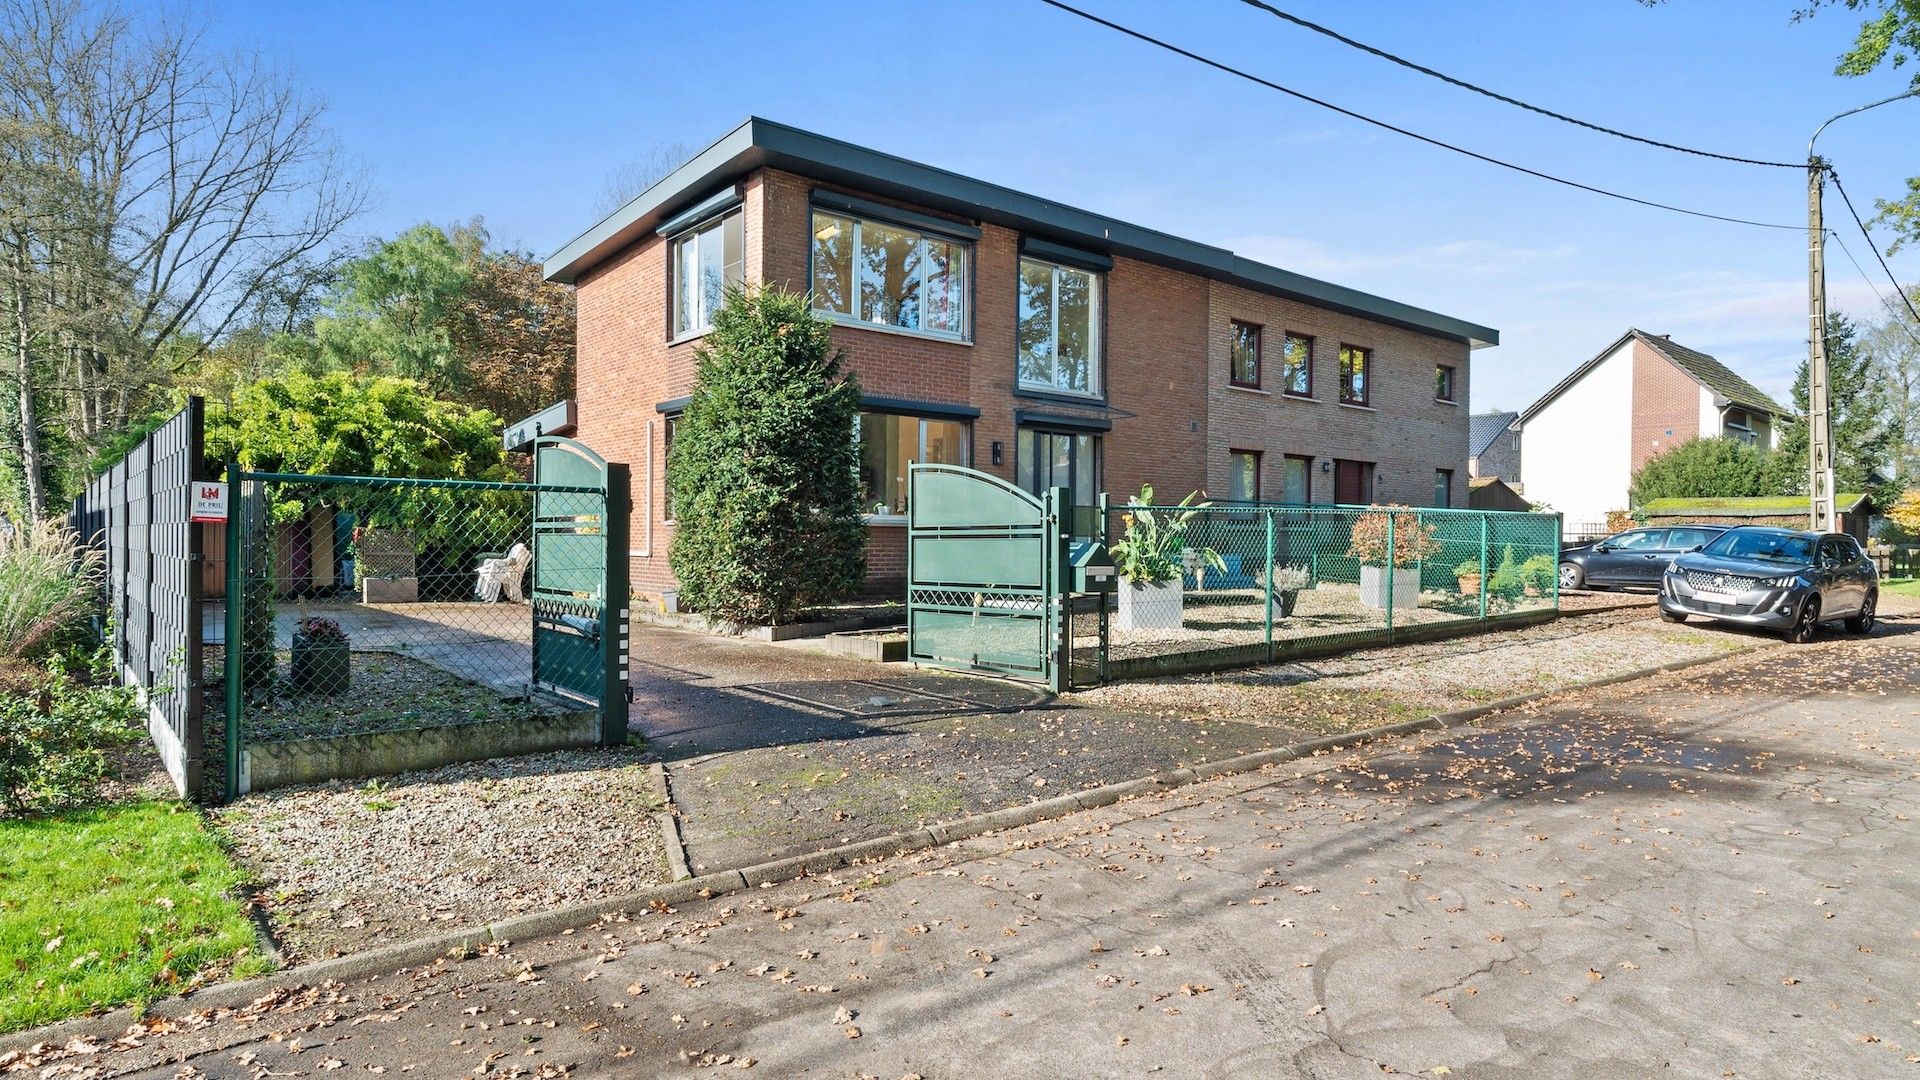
{"points": [[579, 595], [985, 567]]}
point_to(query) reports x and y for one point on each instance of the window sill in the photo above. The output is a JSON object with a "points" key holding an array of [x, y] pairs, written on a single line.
{"points": [[1446, 401], [683, 339], [1357, 405], [1304, 399], [1249, 389], [839, 319]]}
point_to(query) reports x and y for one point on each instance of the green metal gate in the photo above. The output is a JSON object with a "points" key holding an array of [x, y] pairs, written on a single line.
{"points": [[579, 595], [984, 570]]}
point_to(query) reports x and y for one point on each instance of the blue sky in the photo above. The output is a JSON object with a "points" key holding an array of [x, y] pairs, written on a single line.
{"points": [[519, 112]]}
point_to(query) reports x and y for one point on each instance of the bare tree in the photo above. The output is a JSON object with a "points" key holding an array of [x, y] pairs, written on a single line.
{"points": [[1893, 341], [633, 177], [181, 187]]}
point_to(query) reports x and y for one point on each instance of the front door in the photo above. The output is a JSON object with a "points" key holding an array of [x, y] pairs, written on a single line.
{"points": [[1050, 459], [1352, 482]]}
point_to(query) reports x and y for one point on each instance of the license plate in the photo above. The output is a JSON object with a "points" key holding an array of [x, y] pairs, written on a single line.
{"points": [[1705, 596]]}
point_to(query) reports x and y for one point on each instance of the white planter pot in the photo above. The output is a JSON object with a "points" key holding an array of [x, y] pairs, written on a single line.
{"points": [[1373, 587], [1149, 607]]}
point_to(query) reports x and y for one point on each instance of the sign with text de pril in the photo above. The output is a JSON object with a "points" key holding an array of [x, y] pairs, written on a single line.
{"points": [[209, 501]]}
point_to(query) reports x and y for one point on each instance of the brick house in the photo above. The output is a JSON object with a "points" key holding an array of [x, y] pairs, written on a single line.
{"points": [[1012, 334], [1643, 394], [1493, 447]]}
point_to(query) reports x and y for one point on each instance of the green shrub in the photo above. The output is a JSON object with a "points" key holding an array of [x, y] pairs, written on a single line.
{"points": [[54, 737], [1539, 572], [762, 470], [1508, 579], [48, 584], [1467, 568]]}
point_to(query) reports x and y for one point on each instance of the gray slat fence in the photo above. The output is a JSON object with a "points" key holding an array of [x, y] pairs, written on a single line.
{"points": [[137, 514]]}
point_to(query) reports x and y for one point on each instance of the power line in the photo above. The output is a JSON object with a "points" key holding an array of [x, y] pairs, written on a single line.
{"points": [[1875, 248], [1306, 24], [1476, 155], [1905, 327]]}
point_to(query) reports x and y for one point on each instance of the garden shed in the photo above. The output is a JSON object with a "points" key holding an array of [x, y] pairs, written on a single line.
{"points": [[1784, 511]]}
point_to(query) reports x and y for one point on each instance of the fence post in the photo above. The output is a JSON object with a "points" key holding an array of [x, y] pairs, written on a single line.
{"points": [[1267, 514], [1390, 574], [615, 617], [234, 657], [1554, 546], [1057, 526], [1485, 584], [1100, 660]]}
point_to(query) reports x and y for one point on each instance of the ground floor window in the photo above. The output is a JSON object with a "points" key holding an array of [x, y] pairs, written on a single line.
{"points": [[666, 462], [1297, 482], [1047, 459], [889, 443], [1443, 487], [1243, 476]]}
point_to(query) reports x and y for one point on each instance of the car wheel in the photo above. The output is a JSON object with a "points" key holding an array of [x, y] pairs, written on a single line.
{"points": [[1571, 576], [1808, 623], [1674, 616], [1863, 622]]}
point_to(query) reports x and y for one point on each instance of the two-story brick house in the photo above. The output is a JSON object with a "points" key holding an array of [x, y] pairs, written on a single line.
{"points": [[1012, 334]]}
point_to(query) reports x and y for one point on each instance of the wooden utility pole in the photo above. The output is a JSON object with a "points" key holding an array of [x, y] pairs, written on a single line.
{"points": [[1819, 430]]}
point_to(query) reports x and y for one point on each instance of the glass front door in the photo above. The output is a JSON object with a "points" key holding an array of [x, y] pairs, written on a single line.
{"points": [[1059, 459]]}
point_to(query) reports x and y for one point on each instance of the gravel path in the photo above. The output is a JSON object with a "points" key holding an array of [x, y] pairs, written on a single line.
{"points": [[345, 867], [1384, 685]]}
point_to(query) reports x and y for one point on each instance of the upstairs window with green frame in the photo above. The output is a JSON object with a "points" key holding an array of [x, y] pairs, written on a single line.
{"points": [[1057, 337], [707, 261], [878, 274], [1356, 375], [1243, 346]]}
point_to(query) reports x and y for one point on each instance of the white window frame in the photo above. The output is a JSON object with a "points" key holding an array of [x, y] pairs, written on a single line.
{"points": [[1096, 339], [713, 231], [920, 451], [852, 317]]}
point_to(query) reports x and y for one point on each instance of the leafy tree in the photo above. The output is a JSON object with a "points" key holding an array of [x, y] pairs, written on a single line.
{"points": [[513, 331], [391, 310], [1702, 469], [1890, 36], [762, 470], [1894, 343], [1863, 417]]}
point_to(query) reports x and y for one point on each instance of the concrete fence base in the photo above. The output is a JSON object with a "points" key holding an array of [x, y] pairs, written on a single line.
{"points": [[352, 757]]}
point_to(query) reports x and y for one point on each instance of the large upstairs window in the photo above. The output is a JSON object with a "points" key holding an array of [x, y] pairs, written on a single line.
{"points": [[887, 275], [1058, 335], [706, 262]]}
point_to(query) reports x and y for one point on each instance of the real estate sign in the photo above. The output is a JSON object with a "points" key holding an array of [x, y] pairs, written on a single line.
{"points": [[209, 501]]}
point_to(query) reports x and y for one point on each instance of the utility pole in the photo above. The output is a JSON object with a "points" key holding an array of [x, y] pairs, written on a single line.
{"points": [[1819, 401], [1819, 431]]}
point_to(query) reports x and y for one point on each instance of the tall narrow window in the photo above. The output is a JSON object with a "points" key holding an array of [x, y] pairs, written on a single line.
{"points": [[1442, 382], [706, 263], [1443, 487], [1058, 333], [889, 275], [1244, 346], [1356, 375], [1243, 476], [1296, 365], [1298, 481], [666, 466]]}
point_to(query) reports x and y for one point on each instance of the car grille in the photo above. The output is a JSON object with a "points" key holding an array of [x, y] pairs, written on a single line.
{"points": [[1708, 608], [1730, 583]]}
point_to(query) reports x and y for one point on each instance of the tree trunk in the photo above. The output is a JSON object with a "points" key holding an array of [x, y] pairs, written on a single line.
{"points": [[34, 484]]}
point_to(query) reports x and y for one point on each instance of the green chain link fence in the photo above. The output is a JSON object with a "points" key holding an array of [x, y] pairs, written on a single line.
{"points": [[1258, 583]]}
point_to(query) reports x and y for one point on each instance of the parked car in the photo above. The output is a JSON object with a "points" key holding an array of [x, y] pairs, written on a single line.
{"points": [[1634, 557], [1777, 578]]}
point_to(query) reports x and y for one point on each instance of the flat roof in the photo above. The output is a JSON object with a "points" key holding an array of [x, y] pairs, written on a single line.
{"points": [[759, 143]]}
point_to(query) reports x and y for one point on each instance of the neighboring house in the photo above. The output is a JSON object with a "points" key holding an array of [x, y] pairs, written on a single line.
{"points": [[1786, 511], [1640, 396], [1493, 447], [1009, 333]]}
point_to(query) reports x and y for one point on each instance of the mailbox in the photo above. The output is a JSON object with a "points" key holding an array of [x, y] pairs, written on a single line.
{"points": [[1092, 567]]}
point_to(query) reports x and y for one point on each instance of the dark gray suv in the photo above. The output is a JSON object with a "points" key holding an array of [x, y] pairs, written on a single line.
{"points": [[1776, 578]]}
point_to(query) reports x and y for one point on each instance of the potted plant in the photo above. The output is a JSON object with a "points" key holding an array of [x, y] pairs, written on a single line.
{"points": [[322, 660], [1287, 583], [1469, 574], [1536, 575], [1412, 542], [1149, 559]]}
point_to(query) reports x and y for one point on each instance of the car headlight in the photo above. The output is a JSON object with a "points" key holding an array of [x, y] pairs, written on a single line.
{"points": [[1785, 581]]}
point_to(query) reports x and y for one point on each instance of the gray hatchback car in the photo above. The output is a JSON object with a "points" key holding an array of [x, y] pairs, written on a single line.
{"points": [[1780, 579]]}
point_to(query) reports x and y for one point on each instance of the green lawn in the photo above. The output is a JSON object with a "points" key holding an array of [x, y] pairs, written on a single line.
{"points": [[1903, 586], [114, 905]]}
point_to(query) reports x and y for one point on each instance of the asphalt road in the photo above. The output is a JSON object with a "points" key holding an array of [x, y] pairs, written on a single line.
{"points": [[1700, 876]]}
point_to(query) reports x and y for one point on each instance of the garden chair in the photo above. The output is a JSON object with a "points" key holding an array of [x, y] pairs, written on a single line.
{"points": [[503, 574]]}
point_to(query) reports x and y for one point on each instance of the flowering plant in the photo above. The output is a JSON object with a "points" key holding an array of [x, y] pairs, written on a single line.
{"points": [[1412, 538], [319, 629], [1148, 552]]}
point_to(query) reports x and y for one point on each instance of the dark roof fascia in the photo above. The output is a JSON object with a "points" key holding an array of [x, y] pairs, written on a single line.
{"points": [[761, 143]]}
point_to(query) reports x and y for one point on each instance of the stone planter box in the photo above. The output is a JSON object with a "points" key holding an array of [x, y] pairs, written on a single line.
{"points": [[320, 667], [1406, 587], [1149, 607], [395, 590]]}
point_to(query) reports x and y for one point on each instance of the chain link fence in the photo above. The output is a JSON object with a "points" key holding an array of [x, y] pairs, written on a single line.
{"points": [[368, 625], [1246, 584]]}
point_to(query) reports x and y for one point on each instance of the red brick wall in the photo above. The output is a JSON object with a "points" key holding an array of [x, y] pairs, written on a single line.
{"points": [[1666, 405]]}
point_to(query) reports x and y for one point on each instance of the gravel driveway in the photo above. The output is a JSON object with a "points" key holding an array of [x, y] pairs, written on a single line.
{"points": [[343, 867]]}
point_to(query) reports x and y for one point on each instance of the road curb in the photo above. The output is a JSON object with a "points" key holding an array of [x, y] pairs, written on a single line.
{"points": [[411, 954]]}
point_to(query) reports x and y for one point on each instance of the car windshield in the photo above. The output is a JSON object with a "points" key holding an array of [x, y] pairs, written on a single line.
{"points": [[1762, 546]]}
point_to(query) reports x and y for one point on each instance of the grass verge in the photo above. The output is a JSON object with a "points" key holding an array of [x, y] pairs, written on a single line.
{"points": [[1902, 586], [113, 905]]}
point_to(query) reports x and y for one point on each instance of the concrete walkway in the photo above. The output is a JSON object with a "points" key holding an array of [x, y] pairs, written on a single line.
{"points": [[1704, 876]]}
